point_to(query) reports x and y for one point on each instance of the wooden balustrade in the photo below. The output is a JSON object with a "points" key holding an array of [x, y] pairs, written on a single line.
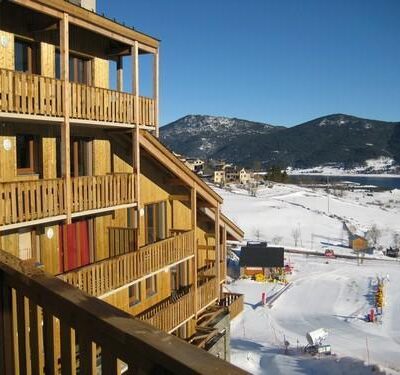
{"points": [[22, 201], [50, 327], [234, 302], [206, 293], [31, 94], [96, 192], [121, 240], [31, 200], [102, 277], [168, 314]]}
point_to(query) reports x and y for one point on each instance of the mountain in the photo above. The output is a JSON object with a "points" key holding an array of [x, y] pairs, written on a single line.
{"points": [[340, 139]]}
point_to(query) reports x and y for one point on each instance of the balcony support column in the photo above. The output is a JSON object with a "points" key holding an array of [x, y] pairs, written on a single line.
{"points": [[136, 132], [65, 131], [223, 251], [217, 250], [193, 206], [120, 74], [156, 93]]}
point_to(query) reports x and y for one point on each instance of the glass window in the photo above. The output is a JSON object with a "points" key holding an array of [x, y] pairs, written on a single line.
{"points": [[134, 294], [79, 69], [156, 223], [26, 57], [151, 286], [25, 154]]}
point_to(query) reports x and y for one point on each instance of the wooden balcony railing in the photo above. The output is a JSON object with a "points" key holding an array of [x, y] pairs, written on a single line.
{"points": [[31, 200], [168, 314], [22, 201], [206, 293], [121, 240], [49, 327], [30, 94], [234, 302], [96, 192], [107, 275]]}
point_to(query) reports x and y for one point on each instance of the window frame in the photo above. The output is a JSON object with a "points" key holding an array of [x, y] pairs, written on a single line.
{"points": [[32, 155], [134, 299], [152, 289], [32, 56]]}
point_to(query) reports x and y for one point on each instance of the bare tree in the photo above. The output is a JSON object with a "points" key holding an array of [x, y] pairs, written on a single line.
{"points": [[374, 234], [276, 240], [296, 234], [257, 233]]}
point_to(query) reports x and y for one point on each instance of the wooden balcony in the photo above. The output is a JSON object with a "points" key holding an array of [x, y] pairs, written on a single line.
{"points": [[100, 278], [234, 302], [49, 327], [98, 192], [31, 200], [34, 95], [206, 293], [169, 314], [25, 201]]}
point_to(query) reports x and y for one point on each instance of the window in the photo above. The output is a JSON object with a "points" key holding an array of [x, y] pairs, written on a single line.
{"points": [[26, 57], [151, 286], [156, 223], [81, 160], [26, 154], [80, 68], [134, 294]]}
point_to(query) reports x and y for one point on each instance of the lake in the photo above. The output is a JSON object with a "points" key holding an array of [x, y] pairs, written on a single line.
{"points": [[383, 182]]}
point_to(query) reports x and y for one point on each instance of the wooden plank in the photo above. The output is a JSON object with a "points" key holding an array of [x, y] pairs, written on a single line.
{"points": [[51, 367], [68, 355]]}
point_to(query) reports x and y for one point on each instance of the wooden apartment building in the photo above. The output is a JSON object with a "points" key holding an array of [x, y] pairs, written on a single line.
{"points": [[87, 191]]}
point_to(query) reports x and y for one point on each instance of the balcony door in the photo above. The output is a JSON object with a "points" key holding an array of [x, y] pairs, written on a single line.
{"points": [[74, 245], [155, 222], [81, 157]]}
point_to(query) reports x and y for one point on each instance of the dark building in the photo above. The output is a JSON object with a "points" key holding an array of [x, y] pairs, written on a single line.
{"points": [[258, 257]]}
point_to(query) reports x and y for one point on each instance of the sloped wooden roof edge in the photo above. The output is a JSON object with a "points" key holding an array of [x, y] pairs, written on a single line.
{"points": [[234, 230], [231, 227], [151, 143], [62, 6]]}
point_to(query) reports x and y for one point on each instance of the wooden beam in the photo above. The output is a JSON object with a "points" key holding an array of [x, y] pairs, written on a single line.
{"points": [[65, 132], [179, 197], [156, 93], [175, 182], [136, 131], [120, 74], [193, 206], [217, 250]]}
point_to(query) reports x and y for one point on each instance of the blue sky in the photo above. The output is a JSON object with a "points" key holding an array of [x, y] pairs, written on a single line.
{"points": [[276, 61]]}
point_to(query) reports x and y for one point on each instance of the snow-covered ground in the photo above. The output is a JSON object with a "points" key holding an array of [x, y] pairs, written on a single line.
{"points": [[276, 213], [381, 167], [336, 296]]}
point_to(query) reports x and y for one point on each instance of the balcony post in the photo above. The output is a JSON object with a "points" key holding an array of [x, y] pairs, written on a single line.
{"points": [[120, 74], [217, 250], [156, 74], [223, 251], [65, 131], [193, 196], [136, 132]]}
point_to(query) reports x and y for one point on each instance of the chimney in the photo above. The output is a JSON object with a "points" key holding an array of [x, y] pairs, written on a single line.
{"points": [[87, 4]]}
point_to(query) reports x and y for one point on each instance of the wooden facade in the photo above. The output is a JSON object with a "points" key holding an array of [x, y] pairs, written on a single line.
{"points": [[87, 191]]}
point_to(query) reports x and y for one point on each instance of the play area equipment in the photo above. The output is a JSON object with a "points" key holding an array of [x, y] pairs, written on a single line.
{"points": [[316, 344]]}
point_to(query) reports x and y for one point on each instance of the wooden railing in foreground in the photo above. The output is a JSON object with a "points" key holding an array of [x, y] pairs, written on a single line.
{"points": [[40, 314], [121, 240], [31, 94], [234, 302], [31, 200], [206, 293], [95, 192], [168, 314], [102, 277]]}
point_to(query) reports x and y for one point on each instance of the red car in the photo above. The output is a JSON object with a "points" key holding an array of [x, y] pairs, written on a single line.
{"points": [[329, 253]]}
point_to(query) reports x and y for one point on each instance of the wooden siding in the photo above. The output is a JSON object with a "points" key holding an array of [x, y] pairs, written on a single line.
{"points": [[7, 52]]}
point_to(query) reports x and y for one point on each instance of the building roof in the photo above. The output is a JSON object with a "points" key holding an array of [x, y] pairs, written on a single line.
{"points": [[261, 256]]}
